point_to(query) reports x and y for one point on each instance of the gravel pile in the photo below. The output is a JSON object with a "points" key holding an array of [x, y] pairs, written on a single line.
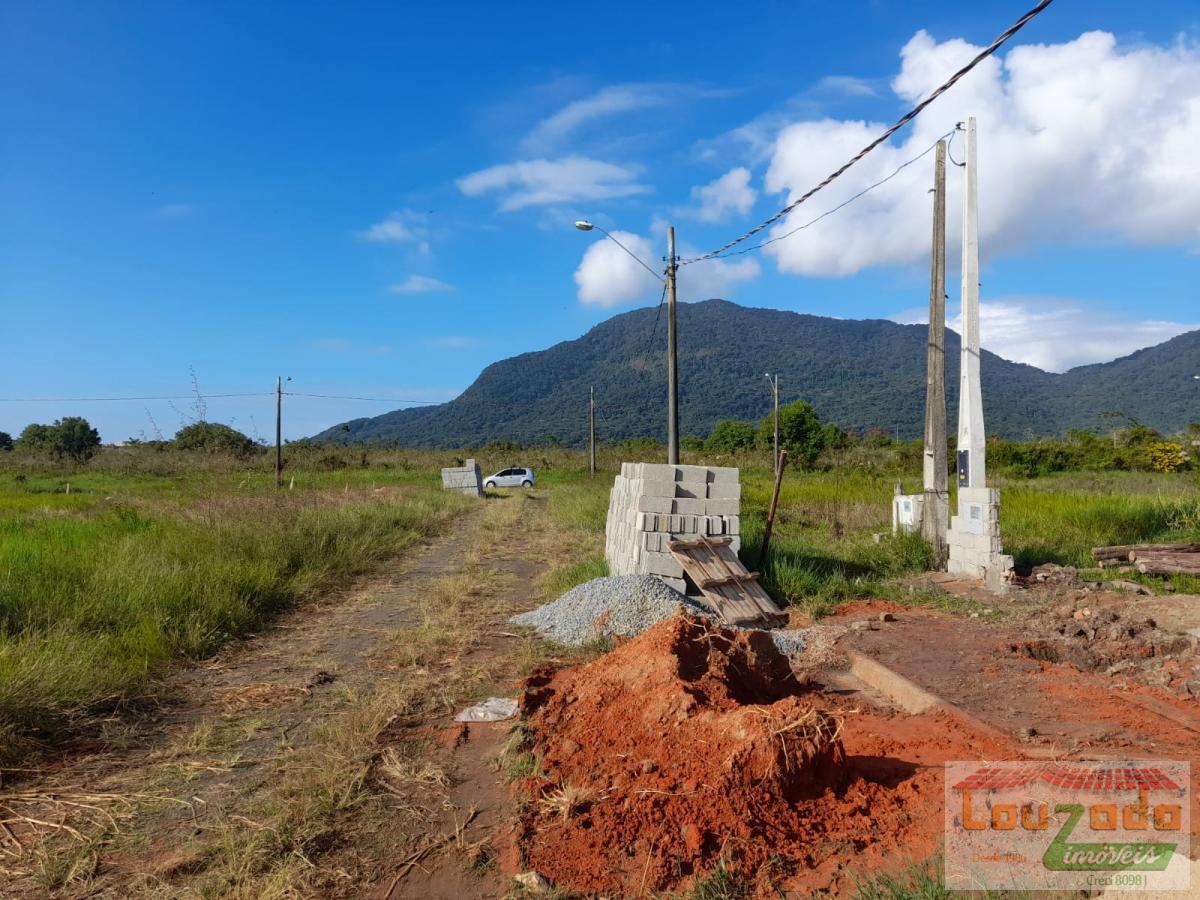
{"points": [[617, 605], [790, 643], [625, 605]]}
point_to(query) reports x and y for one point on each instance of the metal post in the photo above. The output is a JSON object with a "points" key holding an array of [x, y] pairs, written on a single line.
{"points": [[672, 359], [936, 507], [775, 389], [278, 431], [592, 430]]}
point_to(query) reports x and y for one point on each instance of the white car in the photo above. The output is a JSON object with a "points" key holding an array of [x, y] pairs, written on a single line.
{"points": [[516, 477]]}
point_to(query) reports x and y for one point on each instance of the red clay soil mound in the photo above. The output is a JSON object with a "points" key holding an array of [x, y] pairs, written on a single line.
{"points": [[693, 744]]}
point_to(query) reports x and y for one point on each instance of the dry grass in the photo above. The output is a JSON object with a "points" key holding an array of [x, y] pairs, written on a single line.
{"points": [[566, 801]]}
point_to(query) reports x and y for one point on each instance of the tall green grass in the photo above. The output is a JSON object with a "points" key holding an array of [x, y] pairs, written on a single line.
{"points": [[98, 591]]}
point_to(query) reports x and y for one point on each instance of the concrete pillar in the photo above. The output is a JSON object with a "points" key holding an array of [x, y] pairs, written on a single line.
{"points": [[972, 464]]}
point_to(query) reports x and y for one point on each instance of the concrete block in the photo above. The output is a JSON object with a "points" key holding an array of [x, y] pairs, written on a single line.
{"points": [[733, 525], [662, 564], [655, 504], [654, 487], [714, 525], [724, 490], [688, 507], [692, 474], [690, 491], [722, 507], [723, 474]]}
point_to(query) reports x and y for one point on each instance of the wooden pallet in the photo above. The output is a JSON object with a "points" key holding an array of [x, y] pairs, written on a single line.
{"points": [[733, 593]]}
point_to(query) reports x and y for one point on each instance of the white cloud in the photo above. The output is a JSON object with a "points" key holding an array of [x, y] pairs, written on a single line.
{"points": [[404, 226], [715, 278], [1080, 141], [847, 85], [729, 193], [537, 182], [608, 276], [420, 284], [453, 342], [609, 101], [1032, 329]]}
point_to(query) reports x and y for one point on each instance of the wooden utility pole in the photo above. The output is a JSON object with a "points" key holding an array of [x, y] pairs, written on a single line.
{"points": [[672, 359], [936, 507], [592, 430], [278, 431]]}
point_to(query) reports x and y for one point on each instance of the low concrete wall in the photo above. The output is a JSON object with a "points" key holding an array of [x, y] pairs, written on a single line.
{"points": [[465, 479]]}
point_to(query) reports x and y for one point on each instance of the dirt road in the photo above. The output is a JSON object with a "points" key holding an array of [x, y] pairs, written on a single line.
{"points": [[308, 759]]}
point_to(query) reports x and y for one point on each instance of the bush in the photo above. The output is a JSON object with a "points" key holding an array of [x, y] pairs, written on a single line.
{"points": [[72, 437], [731, 435], [6, 441], [213, 437], [801, 433], [1166, 456]]}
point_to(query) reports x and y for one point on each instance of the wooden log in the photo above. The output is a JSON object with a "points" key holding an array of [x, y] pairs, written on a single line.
{"points": [[1168, 567], [1122, 551]]}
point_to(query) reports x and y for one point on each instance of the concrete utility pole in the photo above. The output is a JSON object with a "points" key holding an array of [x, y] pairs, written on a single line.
{"points": [[672, 359], [971, 465], [592, 430], [935, 509], [774, 379], [278, 431]]}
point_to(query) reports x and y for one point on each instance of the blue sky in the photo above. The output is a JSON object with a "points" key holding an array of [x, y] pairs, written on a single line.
{"points": [[376, 199]]}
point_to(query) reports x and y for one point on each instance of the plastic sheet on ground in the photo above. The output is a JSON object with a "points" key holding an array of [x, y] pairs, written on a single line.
{"points": [[493, 709]]}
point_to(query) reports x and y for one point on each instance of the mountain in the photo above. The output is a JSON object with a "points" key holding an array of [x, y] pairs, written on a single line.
{"points": [[858, 373]]}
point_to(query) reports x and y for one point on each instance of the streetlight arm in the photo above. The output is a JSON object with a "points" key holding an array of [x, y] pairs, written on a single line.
{"points": [[639, 260]]}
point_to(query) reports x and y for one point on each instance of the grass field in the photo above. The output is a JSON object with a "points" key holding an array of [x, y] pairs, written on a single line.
{"points": [[104, 585], [111, 572]]}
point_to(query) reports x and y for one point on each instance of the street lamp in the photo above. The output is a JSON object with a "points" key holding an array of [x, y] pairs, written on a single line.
{"points": [[672, 360], [774, 380]]}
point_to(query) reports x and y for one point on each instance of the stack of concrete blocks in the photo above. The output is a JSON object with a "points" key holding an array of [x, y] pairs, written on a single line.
{"points": [[465, 479], [974, 537], [652, 504]]}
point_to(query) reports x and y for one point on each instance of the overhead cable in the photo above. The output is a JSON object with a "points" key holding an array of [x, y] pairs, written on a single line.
{"points": [[900, 123]]}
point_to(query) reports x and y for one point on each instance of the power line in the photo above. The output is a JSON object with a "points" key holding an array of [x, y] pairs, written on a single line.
{"points": [[900, 123], [369, 399], [830, 212], [657, 314], [123, 399], [207, 397]]}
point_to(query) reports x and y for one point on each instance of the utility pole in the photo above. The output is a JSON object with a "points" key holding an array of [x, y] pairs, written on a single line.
{"points": [[592, 429], [278, 431], [935, 510], [972, 449], [672, 359], [774, 379]]}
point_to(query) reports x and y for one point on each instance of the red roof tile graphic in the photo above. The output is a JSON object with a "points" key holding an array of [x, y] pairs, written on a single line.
{"points": [[1078, 778]]}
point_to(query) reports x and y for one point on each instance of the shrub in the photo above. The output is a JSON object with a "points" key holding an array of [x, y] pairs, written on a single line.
{"points": [[6, 441], [1166, 456], [731, 435], [213, 437], [72, 437], [801, 433]]}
